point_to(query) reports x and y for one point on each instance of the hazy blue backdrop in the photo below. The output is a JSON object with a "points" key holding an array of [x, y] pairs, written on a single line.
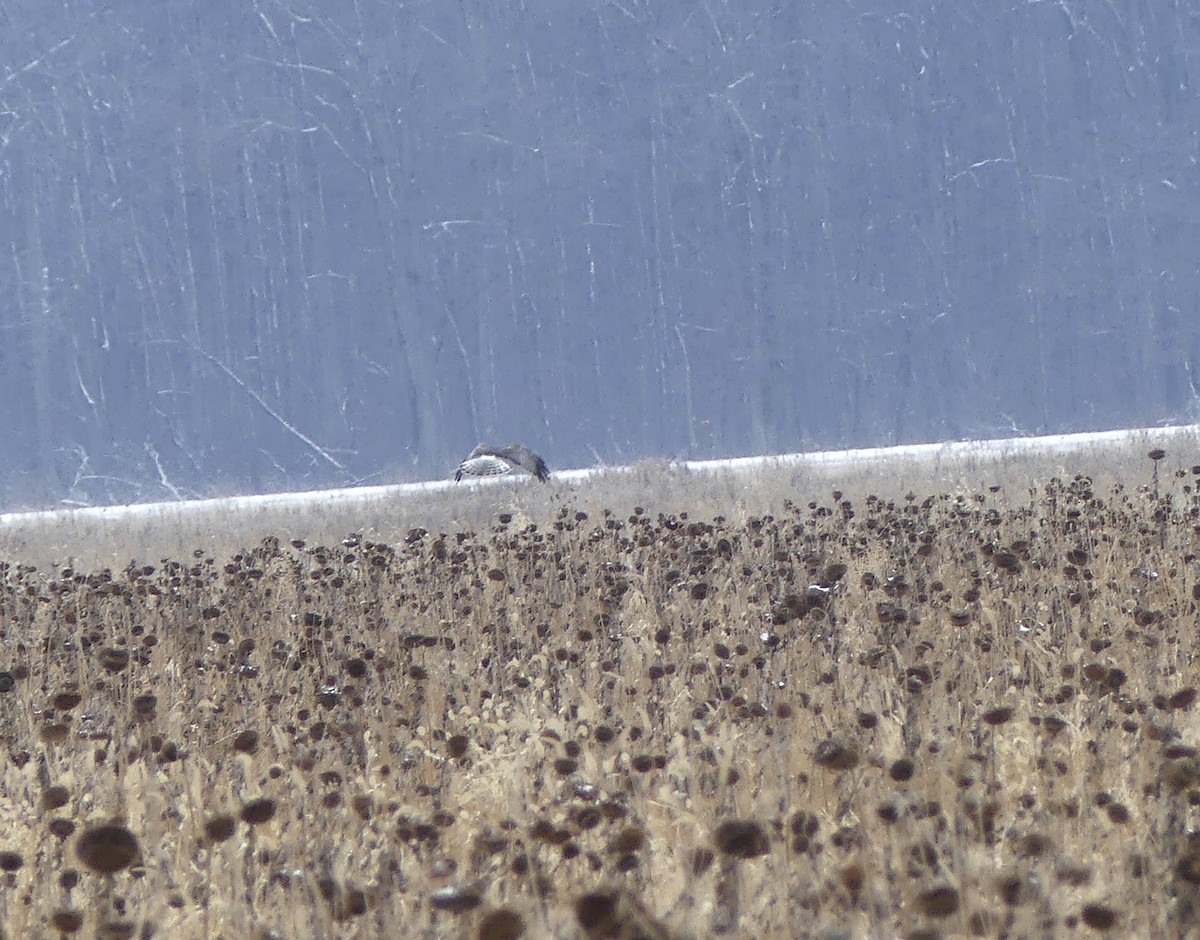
{"points": [[256, 245]]}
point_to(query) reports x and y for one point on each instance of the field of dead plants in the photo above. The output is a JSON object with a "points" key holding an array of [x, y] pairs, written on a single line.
{"points": [[943, 714]]}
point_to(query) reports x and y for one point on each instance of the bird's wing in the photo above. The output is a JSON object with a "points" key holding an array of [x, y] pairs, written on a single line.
{"points": [[484, 449], [488, 460], [523, 457], [485, 465]]}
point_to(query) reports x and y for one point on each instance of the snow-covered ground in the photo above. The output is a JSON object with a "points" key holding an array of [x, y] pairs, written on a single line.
{"points": [[935, 455]]}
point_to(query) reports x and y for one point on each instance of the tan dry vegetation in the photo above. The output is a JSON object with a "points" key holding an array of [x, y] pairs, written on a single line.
{"points": [[968, 713], [97, 538]]}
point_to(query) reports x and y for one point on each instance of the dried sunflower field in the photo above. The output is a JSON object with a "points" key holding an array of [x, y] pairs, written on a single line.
{"points": [[944, 714]]}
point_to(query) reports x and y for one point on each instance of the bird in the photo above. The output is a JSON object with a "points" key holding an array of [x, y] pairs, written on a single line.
{"points": [[488, 460]]}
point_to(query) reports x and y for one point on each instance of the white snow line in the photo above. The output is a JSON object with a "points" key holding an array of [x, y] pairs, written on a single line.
{"points": [[955, 450]]}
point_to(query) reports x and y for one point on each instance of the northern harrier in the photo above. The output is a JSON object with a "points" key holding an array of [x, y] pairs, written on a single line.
{"points": [[488, 460]]}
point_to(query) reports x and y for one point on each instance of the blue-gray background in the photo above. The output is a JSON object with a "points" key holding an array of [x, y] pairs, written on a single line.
{"points": [[254, 245]]}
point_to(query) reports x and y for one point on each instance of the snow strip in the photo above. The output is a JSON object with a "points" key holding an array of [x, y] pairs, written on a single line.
{"points": [[934, 453]]}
